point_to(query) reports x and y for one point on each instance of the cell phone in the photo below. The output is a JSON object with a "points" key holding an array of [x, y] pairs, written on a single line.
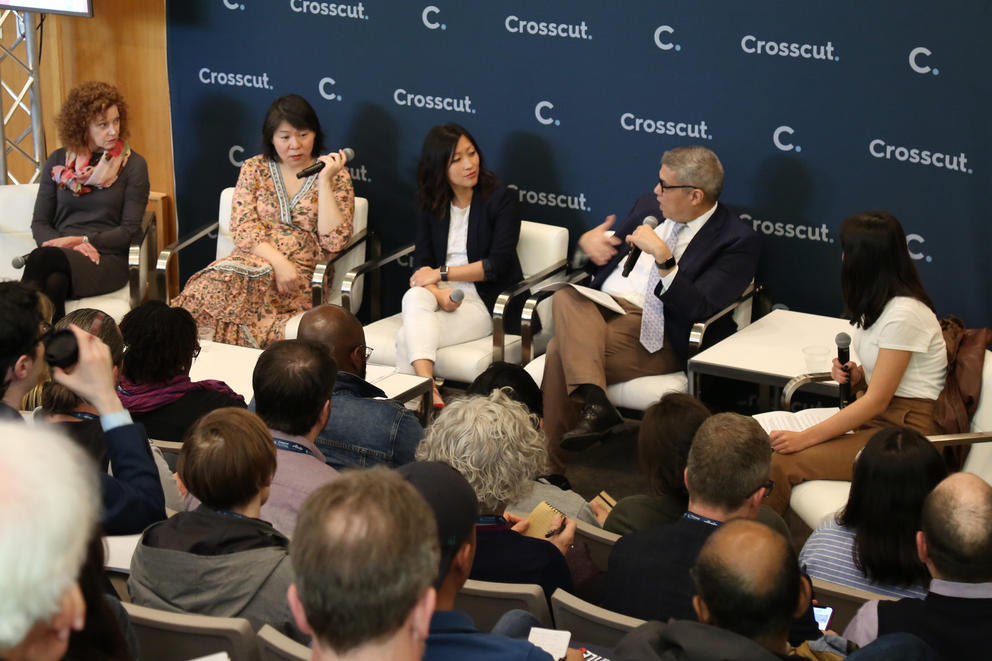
{"points": [[62, 350], [822, 615]]}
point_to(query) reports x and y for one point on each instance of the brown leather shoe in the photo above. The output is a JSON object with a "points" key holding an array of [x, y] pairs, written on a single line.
{"points": [[596, 423]]}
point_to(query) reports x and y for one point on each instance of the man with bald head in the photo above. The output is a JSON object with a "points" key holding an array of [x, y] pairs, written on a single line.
{"points": [[365, 428], [956, 546]]}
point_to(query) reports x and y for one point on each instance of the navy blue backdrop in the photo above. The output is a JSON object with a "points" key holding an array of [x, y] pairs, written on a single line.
{"points": [[817, 110]]}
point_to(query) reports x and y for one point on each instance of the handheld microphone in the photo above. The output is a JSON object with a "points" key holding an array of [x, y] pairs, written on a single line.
{"points": [[349, 154], [843, 341], [635, 252], [20, 260], [457, 296]]}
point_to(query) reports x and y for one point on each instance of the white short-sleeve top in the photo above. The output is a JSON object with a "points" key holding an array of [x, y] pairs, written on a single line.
{"points": [[907, 324]]}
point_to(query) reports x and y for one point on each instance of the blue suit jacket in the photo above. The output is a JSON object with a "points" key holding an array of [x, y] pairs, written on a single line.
{"points": [[715, 269]]}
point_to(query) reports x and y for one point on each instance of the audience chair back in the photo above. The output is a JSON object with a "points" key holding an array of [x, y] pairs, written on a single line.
{"points": [[273, 646], [165, 636], [979, 459], [844, 600], [486, 602], [599, 541], [17, 203], [589, 623]]}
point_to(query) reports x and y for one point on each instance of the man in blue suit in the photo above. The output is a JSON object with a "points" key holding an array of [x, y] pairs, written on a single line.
{"points": [[692, 265]]}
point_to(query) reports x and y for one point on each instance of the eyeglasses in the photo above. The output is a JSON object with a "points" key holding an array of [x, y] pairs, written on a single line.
{"points": [[665, 186], [768, 486], [367, 349]]}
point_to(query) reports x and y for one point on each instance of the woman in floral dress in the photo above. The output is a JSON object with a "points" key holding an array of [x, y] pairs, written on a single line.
{"points": [[281, 226]]}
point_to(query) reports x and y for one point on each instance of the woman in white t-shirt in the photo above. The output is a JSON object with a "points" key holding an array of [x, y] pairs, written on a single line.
{"points": [[904, 360], [467, 237]]}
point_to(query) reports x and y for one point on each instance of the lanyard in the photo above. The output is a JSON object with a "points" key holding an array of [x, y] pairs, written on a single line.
{"points": [[83, 415], [692, 516], [292, 446], [492, 522]]}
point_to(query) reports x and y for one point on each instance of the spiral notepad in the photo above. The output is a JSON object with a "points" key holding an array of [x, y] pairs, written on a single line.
{"points": [[541, 520]]}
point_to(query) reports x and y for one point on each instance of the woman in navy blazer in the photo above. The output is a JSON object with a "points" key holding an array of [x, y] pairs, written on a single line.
{"points": [[466, 240]]}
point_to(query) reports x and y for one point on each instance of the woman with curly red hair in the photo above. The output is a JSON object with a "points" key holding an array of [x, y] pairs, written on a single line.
{"points": [[92, 197]]}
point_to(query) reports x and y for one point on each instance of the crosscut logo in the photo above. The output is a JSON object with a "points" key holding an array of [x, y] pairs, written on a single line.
{"points": [[233, 5], [325, 87], [541, 112], [781, 138], [751, 45], [208, 77], [331, 9], [403, 98], [518, 25], [788, 230], [927, 157], [234, 155], [914, 243], [429, 17], [631, 122], [917, 62], [359, 174], [663, 38], [557, 200]]}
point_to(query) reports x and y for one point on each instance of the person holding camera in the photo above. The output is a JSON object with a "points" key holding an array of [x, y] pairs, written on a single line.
{"points": [[132, 497]]}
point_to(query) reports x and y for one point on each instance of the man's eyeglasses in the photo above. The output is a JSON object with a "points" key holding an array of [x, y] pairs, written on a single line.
{"points": [[367, 349], [768, 486], [665, 186]]}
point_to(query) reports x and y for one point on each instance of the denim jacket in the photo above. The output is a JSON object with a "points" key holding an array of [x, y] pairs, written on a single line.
{"points": [[363, 431]]}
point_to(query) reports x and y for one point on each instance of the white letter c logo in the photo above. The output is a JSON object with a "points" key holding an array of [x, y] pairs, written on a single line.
{"points": [[913, 54], [321, 87], [663, 45], [776, 138], [236, 149], [431, 9], [540, 117]]}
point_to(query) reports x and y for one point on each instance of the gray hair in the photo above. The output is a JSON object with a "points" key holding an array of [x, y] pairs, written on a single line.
{"points": [[696, 166], [49, 501], [729, 460], [493, 442]]}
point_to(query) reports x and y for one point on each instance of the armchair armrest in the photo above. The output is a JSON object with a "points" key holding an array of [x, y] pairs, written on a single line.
{"points": [[317, 281], [797, 382], [173, 249], [348, 286], [968, 438], [136, 265], [530, 309], [504, 298], [699, 328]]}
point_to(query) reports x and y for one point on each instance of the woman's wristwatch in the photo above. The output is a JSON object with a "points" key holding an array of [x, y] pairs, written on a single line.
{"points": [[444, 273]]}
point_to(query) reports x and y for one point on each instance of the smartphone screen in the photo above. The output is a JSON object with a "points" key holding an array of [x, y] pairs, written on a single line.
{"points": [[822, 615]]}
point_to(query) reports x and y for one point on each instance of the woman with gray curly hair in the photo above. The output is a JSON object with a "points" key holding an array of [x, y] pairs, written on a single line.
{"points": [[495, 443]]}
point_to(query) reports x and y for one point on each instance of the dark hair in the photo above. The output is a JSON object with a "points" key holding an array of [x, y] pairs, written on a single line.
{"points": [[730, 458], [56, 398], [434, 192], [161, 342], [895, 471], [84, 103], [227, 457], [292, 381], [877, 266], [664, 440], [294, 109], [20, 326], [739, 603], [364, 551], [958, 530], [514, 381]]}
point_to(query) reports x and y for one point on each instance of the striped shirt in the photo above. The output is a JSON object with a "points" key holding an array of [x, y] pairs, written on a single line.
{"points": [[829, 556]]}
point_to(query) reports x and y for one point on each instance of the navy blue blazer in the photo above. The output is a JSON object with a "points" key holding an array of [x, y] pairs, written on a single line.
{"points": [[715, 269], [493, 233]]}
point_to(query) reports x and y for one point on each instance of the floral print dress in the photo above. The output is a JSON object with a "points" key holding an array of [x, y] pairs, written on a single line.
{"points": [[237, 295]]}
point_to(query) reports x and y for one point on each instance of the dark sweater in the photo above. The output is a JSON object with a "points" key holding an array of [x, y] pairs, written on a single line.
{"points": [[170, 422]]}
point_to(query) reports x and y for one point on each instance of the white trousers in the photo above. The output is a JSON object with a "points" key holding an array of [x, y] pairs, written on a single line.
{"points": [[426, 327]]}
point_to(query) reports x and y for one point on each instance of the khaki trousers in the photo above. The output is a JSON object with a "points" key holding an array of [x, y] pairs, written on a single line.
{"points": [[592, 345]]}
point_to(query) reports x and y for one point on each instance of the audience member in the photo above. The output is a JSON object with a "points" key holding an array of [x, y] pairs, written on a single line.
{"points": [[453, 634], [132, 497], [220, 559], [155, 385], [663, 442], [49, 506], [32, 400], [365, 553], [519, 386], [494, 443], [365, 428], [293, 381], [955, 544], [727, 478], [871, 543]]}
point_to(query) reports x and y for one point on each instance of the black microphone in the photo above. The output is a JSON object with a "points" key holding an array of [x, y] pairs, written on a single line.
{"points": [[843, 341], [635, 252], [20, 260], [349, 154], [457, 296]]}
